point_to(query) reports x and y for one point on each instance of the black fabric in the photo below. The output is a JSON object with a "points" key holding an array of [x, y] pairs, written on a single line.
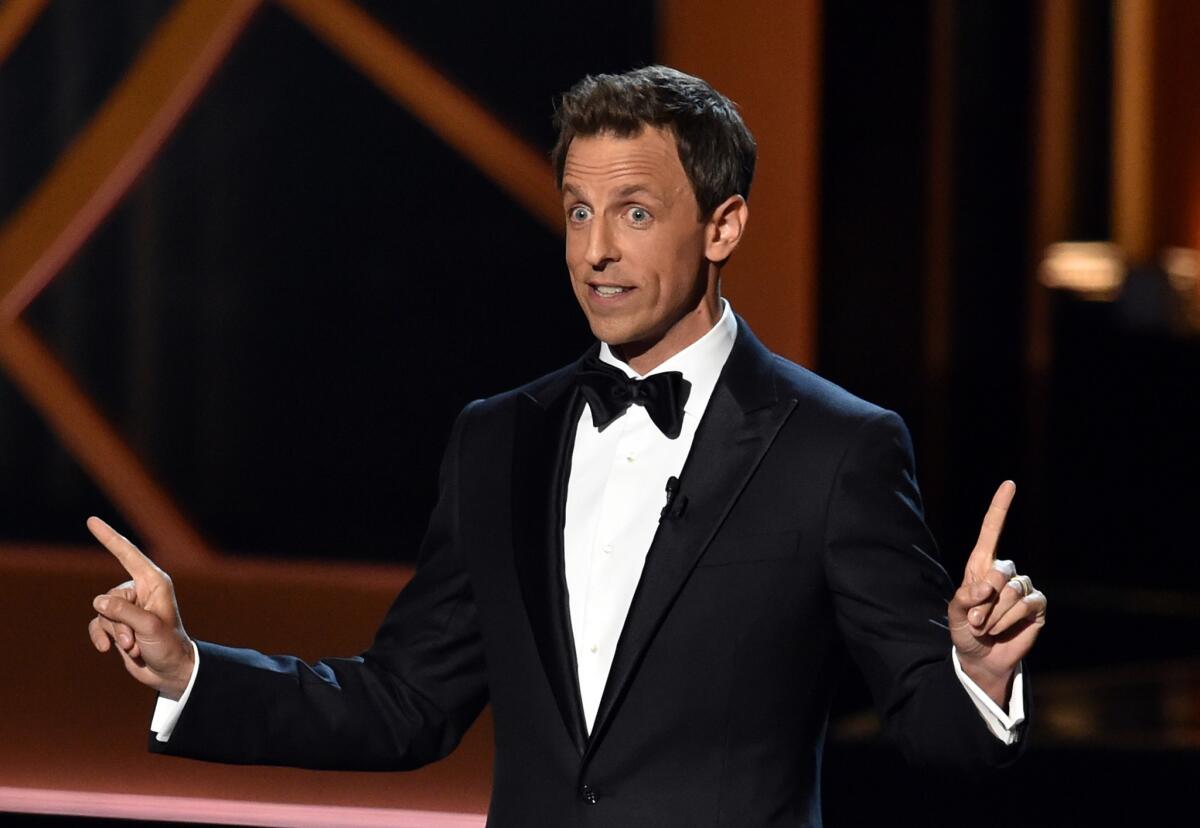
{"points": [[609, 393], [803, 544]]}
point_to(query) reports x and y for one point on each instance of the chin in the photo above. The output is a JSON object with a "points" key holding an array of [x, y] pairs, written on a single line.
{"points": [[607, 333]]}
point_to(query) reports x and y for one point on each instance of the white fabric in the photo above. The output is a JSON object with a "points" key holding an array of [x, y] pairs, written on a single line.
{"points": [[615, 493], [167, 711], [1002, 724]]}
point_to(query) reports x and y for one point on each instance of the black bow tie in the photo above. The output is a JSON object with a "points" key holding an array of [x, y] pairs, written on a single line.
{"points": [[609, 393]]}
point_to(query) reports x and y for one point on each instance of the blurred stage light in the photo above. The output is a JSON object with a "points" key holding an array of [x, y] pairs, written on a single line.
{"points": [[1182, 265], [1092, 270]]}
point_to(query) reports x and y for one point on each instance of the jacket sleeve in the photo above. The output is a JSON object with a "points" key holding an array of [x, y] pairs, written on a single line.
{"points": [[890, 595], [403, 703]]}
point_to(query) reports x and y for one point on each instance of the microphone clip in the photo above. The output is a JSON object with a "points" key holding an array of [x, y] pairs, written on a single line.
{"points": [[676, 503]]}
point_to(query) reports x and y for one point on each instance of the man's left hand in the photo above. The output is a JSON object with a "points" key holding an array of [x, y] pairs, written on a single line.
{"points": [[996, 614]]}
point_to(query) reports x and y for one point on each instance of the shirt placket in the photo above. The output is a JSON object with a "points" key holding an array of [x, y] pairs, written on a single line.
{"points": [[611, 556]]}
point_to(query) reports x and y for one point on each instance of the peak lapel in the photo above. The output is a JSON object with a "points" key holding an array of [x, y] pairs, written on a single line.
{"points": [[545, 434], [741, 421]]}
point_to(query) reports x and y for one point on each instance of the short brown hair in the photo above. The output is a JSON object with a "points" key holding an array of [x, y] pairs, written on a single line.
{"points": [[714, 146]]}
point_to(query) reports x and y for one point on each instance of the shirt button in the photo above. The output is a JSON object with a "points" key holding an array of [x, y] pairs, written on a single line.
{"points": [[595, 648], [629, 458], [606, 549]]}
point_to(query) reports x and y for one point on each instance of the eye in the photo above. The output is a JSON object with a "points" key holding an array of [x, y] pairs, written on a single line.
{"points": [[638, 215], [579, 213]]}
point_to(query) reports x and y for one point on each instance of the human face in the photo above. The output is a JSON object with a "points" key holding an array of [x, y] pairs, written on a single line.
{"points": [[636, 247]]}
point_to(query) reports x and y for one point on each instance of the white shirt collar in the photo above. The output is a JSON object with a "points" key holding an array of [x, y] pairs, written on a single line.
{"points": [[700, 363]]}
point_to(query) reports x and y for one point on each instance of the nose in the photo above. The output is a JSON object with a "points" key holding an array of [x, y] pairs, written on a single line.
{"points": [[601, 246]]}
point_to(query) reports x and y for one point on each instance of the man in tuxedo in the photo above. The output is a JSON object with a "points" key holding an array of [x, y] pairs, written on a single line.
{"points": [[650, 562]]}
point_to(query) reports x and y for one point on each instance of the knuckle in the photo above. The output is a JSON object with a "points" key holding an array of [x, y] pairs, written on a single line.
{"points": [[1005, 567]]}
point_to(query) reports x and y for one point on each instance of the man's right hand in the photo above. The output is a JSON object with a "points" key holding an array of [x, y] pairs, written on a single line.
{"points": [[140, 617]]}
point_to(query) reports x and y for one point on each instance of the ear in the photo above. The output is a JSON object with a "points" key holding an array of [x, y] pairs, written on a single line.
{"points": [[725, 228]]}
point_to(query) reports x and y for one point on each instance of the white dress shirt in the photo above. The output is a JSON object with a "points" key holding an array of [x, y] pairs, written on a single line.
{"points": [[615, 494], [616, 491]]}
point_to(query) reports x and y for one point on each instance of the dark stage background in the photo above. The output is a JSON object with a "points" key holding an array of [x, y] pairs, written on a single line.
{"points": [[286, 311], [305, 281]]}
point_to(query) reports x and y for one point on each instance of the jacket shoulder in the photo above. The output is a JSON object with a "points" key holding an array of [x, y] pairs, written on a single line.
{"points": [[541, 391], [758, 376], [822, 398]]}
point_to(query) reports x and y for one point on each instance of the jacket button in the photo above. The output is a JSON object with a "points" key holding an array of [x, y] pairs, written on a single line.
{"points": [[588, 795]]}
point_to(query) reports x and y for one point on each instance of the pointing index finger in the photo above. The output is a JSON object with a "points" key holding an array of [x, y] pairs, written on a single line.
{"points": [[993, 524], [136, 564]]}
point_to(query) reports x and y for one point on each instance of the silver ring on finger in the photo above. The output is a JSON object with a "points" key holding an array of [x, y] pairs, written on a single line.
{"points": [[1022, 584]]}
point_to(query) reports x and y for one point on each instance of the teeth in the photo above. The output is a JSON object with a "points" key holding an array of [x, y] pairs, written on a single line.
{"points": [[609, 290]]}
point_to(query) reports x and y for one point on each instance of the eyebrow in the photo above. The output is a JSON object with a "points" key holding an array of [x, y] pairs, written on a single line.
{"points": [[624, 192]]}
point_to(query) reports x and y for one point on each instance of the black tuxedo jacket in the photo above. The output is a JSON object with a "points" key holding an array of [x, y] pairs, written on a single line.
{"points": [[796, 537]]}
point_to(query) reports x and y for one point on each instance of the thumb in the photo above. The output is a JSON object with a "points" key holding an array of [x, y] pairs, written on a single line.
{"points": [[956, 610], [966, 598], [115, 608]]}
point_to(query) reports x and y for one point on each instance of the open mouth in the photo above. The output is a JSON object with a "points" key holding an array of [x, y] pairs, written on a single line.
{"points": [[608, 291]]}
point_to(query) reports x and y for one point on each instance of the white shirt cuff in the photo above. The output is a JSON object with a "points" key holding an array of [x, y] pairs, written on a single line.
{"points": [[167, 711], [1004, 725]]}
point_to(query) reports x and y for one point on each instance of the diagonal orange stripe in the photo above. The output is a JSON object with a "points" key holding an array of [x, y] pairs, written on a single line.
{"points": [[98, 448], [456, 117], [99, 168], [16, 16]]}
